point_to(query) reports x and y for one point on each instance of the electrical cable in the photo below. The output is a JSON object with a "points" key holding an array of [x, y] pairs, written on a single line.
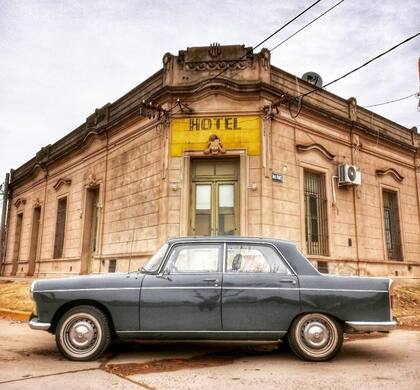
{"points": [[363, 65], [393, 101], [255, 47], [306, 25]]}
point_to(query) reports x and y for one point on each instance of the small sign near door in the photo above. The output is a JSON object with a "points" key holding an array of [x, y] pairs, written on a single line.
{"points": [[277, 177]]}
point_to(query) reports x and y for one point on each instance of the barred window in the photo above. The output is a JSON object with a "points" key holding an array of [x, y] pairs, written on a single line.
{"points": [[60, 228], [392, 225], [316, 227]]}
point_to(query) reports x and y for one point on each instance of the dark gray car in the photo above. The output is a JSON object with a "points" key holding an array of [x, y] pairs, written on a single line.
{"points": [[225, 288]]}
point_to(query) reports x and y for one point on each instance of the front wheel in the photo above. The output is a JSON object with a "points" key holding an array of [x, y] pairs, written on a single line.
{"points": [[315, 337], [83, 333]]}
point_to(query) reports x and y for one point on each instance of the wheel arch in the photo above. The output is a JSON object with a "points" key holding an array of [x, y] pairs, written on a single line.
{"points": [[301, 314], [81, 302]]}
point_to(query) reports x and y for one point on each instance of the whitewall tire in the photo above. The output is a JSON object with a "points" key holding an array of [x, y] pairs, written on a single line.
{"points": [[315, 337], [83, 333]]}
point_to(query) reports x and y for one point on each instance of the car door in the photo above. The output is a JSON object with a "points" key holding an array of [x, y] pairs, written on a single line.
{"points": [[186, 295], [259, 291]]}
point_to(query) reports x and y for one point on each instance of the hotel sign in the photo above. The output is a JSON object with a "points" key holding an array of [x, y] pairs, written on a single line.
{"points": [[192, 133]]}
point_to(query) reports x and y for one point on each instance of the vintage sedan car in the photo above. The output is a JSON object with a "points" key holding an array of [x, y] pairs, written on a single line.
{"points": [[226, 288]]}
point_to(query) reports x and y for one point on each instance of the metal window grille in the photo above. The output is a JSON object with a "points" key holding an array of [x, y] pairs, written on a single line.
{"points": [[60, 228], [316, 227], [392, 225]]}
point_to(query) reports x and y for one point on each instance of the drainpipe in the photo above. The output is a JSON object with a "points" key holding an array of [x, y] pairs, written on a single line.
{"points": [[3, 223]]}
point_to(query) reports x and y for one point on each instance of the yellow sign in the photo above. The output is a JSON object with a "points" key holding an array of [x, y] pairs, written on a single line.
{"points": [[233, 131]]}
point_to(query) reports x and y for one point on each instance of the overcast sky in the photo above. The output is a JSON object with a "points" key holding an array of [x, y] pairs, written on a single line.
{"points": [[59, 60]]}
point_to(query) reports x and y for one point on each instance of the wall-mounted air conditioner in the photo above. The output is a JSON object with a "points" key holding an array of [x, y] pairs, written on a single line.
{"points": [[349, 175]]}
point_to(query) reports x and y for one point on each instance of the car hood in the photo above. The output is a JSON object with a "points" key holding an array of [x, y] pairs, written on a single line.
{"points": [[113, 280]]}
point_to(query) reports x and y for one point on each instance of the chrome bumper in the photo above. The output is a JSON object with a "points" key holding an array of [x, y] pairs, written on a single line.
{"points": [[361, 326], [35, 324]]}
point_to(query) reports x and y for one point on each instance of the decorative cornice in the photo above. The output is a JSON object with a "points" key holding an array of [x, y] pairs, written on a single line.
{"points": [[390, 171], [20, 202], [61, 181], [324, 152]]}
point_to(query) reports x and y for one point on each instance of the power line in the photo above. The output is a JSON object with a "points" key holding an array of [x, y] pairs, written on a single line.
{"points": [[306, 25], [361, 66], [254, 47], [393, 101], [285, 25]]}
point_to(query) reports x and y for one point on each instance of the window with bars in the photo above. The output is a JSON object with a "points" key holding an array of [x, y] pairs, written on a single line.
{"points": [[392, 225], [60, 228], [316, 224]]}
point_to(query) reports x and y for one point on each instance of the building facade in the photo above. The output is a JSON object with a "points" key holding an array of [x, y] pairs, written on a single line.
{"points": [[218, 142]]}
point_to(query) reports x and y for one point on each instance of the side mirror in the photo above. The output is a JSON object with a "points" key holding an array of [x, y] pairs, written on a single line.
{"points": [[164, 275]]}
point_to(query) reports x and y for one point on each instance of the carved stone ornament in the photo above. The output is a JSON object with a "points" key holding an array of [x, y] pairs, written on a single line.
{"points": [[356, 145], [60, 182], [214, 146], [167, 62], [319, 148], [92, 181], [20, 202], [352, 107], [265, 58], [37, 203], [215, 50], [390, 171]]}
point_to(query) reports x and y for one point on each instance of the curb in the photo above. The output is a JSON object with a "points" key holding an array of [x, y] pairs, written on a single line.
{"points": [[16, 315]]}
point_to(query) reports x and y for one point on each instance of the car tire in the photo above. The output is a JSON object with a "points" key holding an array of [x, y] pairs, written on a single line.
{"points": [[315, 337], [83, 333]]}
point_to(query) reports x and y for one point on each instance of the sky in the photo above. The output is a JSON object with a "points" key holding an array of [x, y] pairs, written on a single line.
{"points": [[59, 60]]}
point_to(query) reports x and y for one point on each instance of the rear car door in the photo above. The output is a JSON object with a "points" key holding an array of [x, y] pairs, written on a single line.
{"points": [[259, 292], [186, 296]]}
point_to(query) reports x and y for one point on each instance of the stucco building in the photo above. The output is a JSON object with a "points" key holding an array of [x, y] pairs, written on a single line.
{"points": [[194, 151]]}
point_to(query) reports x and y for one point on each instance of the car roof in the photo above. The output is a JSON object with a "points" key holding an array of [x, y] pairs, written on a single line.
{"points": [[229, 239]]}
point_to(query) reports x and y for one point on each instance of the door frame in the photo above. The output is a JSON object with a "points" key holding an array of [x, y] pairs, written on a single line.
{"points": [[243, 186]]}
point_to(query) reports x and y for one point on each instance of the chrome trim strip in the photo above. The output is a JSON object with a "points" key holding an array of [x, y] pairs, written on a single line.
{"points": [[89, 289], [202, 331], [341, 289], [34, 324], [260, 288], [209, 287], [362, 326], [182, 288]]}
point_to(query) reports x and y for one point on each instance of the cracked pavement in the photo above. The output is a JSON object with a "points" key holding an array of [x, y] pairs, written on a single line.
{"points": [[29, 360]]}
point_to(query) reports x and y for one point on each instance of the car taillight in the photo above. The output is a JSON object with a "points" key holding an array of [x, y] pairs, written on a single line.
{"points": [[391, 296]]}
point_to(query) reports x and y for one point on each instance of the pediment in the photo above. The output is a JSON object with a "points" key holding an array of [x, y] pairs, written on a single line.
{"points": [[390, 171], [61, 182], [317, 147]]}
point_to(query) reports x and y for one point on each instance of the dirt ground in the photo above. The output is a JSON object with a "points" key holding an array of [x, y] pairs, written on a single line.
{"points": [[14, 295]]}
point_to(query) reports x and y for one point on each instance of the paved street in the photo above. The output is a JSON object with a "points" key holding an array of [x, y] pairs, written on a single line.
{"points": [[29, 360]]}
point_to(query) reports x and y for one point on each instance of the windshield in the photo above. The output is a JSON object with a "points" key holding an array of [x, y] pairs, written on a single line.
{"points": [[154, 262]]}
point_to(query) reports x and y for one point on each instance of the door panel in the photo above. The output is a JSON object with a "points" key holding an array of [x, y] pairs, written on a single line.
{"points": [[257, 295], [187, 296]]}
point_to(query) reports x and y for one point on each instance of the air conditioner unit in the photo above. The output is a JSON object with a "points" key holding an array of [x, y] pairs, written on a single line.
{"points": [[349, 175]]}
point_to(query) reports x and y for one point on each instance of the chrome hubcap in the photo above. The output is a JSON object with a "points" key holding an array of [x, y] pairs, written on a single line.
{"points": [[81, 334], [315, 334]]}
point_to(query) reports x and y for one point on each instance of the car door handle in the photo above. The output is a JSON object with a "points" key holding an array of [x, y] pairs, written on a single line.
{"points": [[211, 280], [288, 281]]}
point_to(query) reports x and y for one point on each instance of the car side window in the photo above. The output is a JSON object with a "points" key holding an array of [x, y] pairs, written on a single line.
{"points": [[254, 259], [194, 259]]}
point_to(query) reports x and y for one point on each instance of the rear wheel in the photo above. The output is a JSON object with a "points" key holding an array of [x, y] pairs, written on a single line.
{"points": [[315, 337], [83, 333]]}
